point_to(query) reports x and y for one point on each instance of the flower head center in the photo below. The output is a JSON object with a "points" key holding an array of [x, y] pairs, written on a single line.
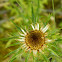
{"points": [[35, 39], [34, 36]]}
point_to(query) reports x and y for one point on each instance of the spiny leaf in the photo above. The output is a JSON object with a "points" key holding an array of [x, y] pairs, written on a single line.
{"points": [[11, 53], [45, 58], [37, 12], [56, 49], [53, 52], [8, 43], [14, 34], [9, 38], [15, 55], [27, 57], [59, 40], [13, 44], [33, 16], [35, 59], [16, 25], [47, 19], [12, 60]]}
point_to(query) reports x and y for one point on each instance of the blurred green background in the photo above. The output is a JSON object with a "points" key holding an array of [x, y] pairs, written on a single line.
{"points": [[8, 12]]}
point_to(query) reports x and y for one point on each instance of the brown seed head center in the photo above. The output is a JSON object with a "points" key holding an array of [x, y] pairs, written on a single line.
{"points": [[35, 39]]}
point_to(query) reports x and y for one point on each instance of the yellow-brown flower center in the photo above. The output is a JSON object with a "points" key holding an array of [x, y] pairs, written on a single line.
{"points": [[35, 39]]}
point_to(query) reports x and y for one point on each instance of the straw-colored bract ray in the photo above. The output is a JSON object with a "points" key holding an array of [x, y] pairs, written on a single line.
{"points": [[45, 28], [34, 52], [32, 27], [37, 26], [23, 31], [22, 40]]}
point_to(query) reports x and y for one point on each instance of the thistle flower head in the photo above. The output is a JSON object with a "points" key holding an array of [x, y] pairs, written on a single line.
{"points": [[35, 39]]}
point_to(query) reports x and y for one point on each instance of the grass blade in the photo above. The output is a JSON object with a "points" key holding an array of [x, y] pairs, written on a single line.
{"points": [[17, 9]]}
